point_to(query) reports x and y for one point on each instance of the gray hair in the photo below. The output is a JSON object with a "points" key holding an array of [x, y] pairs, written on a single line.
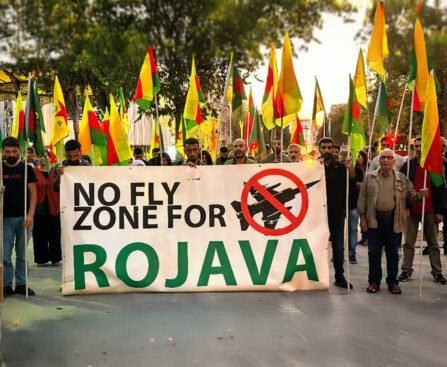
{"points": [[386, 150]]}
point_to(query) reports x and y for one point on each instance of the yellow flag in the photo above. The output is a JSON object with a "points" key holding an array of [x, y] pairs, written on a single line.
{"points": [[360, 81], [288, 97], [19, 120], [422, 74], [378, 45], [60, 119]]}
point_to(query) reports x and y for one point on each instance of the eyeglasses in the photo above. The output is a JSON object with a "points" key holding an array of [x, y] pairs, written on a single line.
{"points": [[387, 157], [417, 146]]}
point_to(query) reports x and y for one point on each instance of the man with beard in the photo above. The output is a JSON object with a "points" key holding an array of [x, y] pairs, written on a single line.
{"points": [[192, 151], [277, 156], [240, 153], [294, 153], [223, 156], [335, 172], [433, 214], [14, 221], [73, 158]]}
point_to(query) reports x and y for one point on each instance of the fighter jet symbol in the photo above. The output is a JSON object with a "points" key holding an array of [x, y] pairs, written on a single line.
{"points": [[270, 215]]}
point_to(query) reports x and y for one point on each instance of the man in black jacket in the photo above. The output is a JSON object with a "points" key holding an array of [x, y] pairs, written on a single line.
{"points": [[335, 172], [433, 210]]}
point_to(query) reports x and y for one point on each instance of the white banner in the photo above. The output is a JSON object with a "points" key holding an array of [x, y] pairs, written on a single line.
{"points": [[183, 229]]}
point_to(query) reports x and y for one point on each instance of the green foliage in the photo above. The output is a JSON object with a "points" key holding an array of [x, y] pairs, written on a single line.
{"points": [[102, 43], [400, 17]]}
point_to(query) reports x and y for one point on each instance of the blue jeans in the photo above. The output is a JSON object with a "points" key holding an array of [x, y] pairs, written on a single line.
{"points": [[353, 230], [336, 229], [13, 234], [383, 236]]}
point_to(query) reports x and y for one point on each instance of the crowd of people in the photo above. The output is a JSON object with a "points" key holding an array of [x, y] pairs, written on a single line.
{"points": [[386, 193]]}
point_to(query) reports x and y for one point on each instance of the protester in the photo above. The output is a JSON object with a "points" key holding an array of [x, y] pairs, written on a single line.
{"points": [[73, 158], [31, 157], [294, 153], [14, 221], [336, 152], [387, 143], [335, 172], [155, 160], [47, 248], [240, 153], [192, 151], [433, 214], [138, 154], [277, 156], [382, 206], [362, 160], [166, 159], [205, 157], [223, 156], [353, 217]]}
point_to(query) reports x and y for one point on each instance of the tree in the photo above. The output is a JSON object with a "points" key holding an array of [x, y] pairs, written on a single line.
{"points": [[102, 43], [400, 18]]}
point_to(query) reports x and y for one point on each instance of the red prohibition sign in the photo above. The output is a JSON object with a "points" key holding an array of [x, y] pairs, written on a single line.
{"points": [[295, 221]]}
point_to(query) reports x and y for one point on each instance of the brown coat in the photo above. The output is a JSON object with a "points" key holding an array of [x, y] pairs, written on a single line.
{"points": [[369, 192]]}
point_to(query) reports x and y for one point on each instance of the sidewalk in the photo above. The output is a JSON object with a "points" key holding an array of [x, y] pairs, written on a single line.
{"points": [[229, 329]]}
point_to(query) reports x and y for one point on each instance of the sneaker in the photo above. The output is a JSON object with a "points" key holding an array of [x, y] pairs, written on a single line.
{"points": [[404, 277], [342, 283], [55, 263], [21, 289], [425, 251], [7, 291], [438, 278], [352, 260]]}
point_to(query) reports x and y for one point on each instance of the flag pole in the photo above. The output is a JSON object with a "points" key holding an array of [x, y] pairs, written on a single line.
{"points": [[282, 138], [411, 128], [27, 118], [346, 239], [422, 236], [398, 116], [1, 225], [159, 128], [229, 119], [373, 125]]}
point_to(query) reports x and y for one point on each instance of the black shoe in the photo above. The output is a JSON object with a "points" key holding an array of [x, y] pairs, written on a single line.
{"points": [[7, 291], [404, 277], [352, 260], [21, 289], [438, 278], [425, 251], [342, 283]]}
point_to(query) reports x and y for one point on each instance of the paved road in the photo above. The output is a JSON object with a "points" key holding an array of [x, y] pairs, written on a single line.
{"points": [[228, 329]]}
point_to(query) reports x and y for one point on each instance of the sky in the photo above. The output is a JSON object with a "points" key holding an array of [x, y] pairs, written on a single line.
{"points": [[331, 61]]}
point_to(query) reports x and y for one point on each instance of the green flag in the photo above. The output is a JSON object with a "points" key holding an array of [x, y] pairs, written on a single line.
{"points": [[256, 139], [383, 109], [34, 124], [352, 125]]}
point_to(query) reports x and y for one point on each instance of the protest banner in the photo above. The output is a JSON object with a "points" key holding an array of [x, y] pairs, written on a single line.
{"points": [[184, 229]]}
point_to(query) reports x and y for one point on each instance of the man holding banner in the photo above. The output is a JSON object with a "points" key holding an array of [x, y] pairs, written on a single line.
{"points": [[240, 153]]}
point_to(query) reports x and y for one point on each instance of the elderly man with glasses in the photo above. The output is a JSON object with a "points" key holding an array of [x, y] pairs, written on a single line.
{"points": [[433, 214], [382, 205]]}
